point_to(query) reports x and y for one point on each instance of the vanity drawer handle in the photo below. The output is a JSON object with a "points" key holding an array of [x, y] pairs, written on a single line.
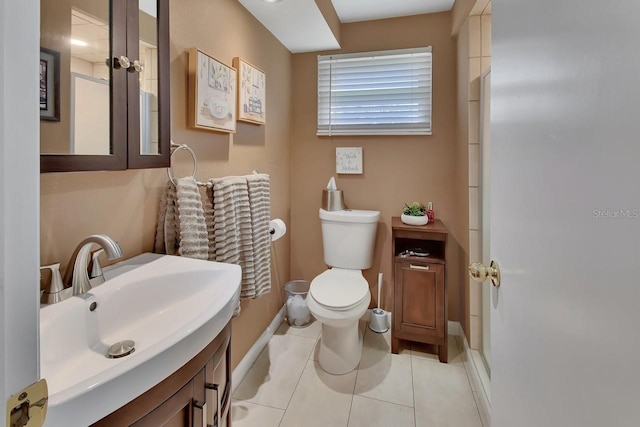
{"points": [[203, 407], [419, 267], [216, 388]]}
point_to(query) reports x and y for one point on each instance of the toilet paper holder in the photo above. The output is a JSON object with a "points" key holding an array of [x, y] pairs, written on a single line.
{"points": [[277, 229]]}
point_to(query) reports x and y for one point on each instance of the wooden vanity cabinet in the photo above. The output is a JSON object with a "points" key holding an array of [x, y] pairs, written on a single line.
{"points": [[420, 293], [196, 395]]}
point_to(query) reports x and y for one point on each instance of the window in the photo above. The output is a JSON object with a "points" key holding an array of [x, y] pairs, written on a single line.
{"points": [[375, 93]]}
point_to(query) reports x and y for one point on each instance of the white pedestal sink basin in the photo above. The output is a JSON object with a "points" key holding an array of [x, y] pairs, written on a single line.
{"points": [[172, 307]]}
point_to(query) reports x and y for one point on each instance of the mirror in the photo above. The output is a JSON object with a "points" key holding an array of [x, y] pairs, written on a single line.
{"points": [[78, 31], [148, 77], [103, 61]]}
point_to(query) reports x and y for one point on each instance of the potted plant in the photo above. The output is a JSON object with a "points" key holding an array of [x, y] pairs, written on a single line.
{"points": [[414, 214]]}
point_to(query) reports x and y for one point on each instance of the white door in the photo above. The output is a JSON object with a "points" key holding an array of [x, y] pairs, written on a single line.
{"points": [[19, 196], [565, 213]]}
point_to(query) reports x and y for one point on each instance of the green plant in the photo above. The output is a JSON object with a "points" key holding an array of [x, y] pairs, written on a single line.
{"points": [[414, 209]]}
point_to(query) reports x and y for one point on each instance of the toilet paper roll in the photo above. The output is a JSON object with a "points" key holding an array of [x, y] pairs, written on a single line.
{"points": [[279, 228]]}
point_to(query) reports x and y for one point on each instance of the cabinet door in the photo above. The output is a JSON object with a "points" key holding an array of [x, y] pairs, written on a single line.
{"points": [[180, 410], [114, 108], [218, 376], [419, 300]]}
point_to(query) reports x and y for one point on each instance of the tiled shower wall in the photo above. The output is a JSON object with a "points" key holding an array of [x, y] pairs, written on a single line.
{"points": [[479, 26]]}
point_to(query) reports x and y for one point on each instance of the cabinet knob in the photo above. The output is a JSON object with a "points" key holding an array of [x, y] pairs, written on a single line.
{"points": [[479, 272], [122, 62], [418, 267], [138, 66]]}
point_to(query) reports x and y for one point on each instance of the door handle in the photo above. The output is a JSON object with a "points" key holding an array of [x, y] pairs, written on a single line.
{"points": [[419, 267], [479, 272]]}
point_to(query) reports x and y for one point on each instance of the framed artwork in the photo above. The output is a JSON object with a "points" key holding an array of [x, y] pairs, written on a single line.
{"points": [[212, 93], [349, 160], [252, 91], [49, 85]]}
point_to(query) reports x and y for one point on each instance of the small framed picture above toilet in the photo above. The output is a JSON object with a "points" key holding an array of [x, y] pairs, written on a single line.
{"points": [[349, 160]]}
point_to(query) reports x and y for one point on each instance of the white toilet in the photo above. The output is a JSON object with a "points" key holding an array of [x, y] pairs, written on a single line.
{"points": [[339, 296]]}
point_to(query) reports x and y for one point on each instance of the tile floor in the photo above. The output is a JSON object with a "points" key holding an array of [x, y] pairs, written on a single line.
{"points": [[286, 388]]}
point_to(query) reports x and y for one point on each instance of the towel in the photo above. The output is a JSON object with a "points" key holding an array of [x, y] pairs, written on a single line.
{"points": [[181, 223], [166, 238], [194, 242], [232, 228], [260, 206], [206, 193]]}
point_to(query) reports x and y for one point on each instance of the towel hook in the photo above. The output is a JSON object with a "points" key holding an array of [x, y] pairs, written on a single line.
{"points": [[178, 147]]}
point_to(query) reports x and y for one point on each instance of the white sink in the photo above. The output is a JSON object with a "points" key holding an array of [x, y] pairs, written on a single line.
{"points": [[172, 307]]}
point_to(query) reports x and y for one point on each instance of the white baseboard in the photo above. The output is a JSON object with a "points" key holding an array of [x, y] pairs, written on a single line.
{"points": [[472, 368], [252, 355], [455, 328]]}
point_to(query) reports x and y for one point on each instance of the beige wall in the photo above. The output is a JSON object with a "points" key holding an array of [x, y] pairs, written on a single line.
{"points": [[396, 169], [124, 204]]}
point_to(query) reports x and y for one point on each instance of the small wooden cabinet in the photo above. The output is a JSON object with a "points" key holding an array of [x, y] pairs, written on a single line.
{"points": [[420, 293], [196, 395]]}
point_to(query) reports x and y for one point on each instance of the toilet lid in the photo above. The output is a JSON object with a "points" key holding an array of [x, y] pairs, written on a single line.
{"points": [[339, 289]]}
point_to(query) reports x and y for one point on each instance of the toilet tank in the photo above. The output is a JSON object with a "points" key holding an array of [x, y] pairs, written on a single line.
{"points": [[348, 238]]}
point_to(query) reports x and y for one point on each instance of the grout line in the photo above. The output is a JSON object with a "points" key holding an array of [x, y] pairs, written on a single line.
{"points": [[386, 401], [258, 404], [413, 388], [351, 405], [355, 383], [294, 390]]}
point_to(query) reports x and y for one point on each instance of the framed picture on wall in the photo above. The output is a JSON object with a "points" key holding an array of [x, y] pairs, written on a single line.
{"points": [[252, 92], [212, 93], [49, 85]]}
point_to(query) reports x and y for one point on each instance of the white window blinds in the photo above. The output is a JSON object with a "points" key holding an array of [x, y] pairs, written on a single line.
{"points": [[375, 93]]}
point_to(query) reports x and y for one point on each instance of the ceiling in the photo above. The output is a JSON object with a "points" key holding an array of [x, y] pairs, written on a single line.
{"points": [[301, 27], [366, 10], [94, 34]]}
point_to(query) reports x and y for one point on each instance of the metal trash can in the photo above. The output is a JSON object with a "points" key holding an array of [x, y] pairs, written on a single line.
{"points": [[298, 313]]}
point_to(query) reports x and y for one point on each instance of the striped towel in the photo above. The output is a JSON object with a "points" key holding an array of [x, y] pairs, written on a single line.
{"points": [[181, 223], [166, 236], [232, 229], [260, 205], [206, 193], [193, 230]]}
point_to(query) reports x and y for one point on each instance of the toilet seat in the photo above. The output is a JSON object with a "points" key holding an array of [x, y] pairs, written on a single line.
{"points": [[339, 289]]}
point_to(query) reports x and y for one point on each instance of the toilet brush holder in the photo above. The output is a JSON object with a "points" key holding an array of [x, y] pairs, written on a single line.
{"points": [[379, 322]]}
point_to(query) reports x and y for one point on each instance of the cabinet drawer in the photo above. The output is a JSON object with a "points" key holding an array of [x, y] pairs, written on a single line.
{"points": [[419, 299]]}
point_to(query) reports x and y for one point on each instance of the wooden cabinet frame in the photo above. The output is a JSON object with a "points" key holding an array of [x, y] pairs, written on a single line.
{"points": [[125, 93], [420, 293]]}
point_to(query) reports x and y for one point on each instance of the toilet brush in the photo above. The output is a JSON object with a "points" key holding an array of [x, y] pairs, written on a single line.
{"points": [[378, 322]]}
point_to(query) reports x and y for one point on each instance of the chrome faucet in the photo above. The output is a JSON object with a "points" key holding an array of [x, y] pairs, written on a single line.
{"points": [[78, 277]]}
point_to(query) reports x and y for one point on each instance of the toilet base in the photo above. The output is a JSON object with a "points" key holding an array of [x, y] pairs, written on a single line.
{"points": [[340, 348], [340, 343]]}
